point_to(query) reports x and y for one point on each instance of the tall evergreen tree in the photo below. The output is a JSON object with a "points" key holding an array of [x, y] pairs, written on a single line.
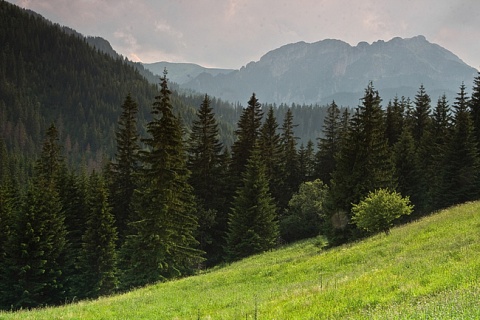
{"points": [[394, 121], [163, 243], [475, 107], [462, 163], [422, 135], [328, 144], [207, 178], [306, 159], [205, 155], [441, 133], [271, 153], [364, 162], [51, 160], [421, 114], [290, 164], [98, 255], [253, 222], [247, 134], [34, 257], [125, 167]]}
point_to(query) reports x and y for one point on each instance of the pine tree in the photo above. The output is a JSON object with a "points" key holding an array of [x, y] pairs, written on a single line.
{"points": [[364, 162], [421, 114], [271, 153], [475, 107], [421, 132], [394, 121], [163, 242], [290, 164], [125, 167], [8, 212], [72, 195], [51, 161], [98, 255], [253, 223], [207, 178], [306, 159], [247, 134], [462, 163], [328, 144], [442, 133], [205, 154], [34, 258]]}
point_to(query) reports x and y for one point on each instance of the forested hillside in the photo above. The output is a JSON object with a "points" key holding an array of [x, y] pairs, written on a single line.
{"points": [[109, 183]]}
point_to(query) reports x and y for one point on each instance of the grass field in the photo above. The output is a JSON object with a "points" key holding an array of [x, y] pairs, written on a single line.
{"points": [[429, 269]]}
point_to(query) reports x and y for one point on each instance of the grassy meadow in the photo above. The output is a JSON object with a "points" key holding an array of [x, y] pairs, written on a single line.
{"points": [[428, 269]]}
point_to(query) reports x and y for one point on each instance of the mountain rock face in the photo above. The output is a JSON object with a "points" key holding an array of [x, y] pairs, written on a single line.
{"points": [[309, 73]]}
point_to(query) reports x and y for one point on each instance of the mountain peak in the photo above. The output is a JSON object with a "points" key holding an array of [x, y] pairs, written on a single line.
{"points": [[318, 72]]}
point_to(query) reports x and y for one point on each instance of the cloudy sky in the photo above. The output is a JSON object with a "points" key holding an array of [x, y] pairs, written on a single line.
{"points": [[231, 33]]}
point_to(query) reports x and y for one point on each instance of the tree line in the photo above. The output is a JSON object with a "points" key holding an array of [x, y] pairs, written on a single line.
{"points": [[171, 202]]}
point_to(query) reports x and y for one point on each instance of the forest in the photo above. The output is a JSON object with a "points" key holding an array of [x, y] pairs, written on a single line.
{"points": [[109, 183]]}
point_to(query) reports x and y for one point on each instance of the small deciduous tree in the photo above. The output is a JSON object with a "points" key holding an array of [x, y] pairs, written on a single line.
{"points": [[305, 212], [379, 209]]}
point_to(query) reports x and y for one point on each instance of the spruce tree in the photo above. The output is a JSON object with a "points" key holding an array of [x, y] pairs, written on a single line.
{"points": [[98, 255], [475, 107], [441, 133], [364, 162], [34, 257], [394, 121], [163, 243], [205, 161], [8, 213], [253, 222], [290, 164], [205, 155], [462, 163], [125, 167], [328, 144], [247, 134], [306, 159], [271, 153]]}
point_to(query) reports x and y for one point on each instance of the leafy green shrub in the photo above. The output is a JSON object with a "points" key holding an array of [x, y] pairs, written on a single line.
{"points": [[379, 209]]}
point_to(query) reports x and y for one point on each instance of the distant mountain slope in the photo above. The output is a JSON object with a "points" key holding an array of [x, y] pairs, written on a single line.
{"points": [[183, 72], [332, 69]]}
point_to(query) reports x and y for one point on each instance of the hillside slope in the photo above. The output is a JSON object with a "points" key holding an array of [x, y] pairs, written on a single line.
{"points": [[427, 269]]}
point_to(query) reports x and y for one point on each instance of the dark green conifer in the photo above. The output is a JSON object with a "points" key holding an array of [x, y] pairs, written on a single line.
{"points": [[247, 134], [462, 164], [98, 255], [34, 258], [475, 107], [364, 162], [328, 145], [163, 243], [253, 222], [125, 167], [205, 162], [271, 153]]}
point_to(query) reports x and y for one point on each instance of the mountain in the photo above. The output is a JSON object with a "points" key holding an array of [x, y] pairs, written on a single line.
{"points": [[309, 73], [183, 72]]}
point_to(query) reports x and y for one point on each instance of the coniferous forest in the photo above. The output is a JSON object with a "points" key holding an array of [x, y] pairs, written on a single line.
{"points": [[109, 183]]}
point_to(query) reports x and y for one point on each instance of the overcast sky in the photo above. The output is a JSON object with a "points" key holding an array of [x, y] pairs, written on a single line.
{"points": [[231, 33]]}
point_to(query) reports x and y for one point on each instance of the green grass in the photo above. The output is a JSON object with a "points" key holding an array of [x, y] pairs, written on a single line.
{"points": [[429, 269]]}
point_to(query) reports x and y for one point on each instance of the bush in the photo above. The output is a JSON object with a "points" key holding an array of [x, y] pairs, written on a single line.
{"points": [[379, 209], [305, 212]]}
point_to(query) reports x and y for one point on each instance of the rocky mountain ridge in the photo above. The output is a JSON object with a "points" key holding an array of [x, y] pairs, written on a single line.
{"points": [[310, 73]]}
